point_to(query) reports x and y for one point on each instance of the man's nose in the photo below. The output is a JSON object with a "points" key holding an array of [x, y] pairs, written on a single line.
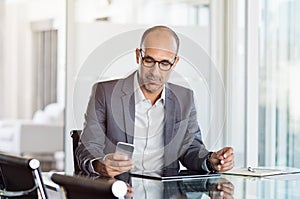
{"points": [[156, 69]]}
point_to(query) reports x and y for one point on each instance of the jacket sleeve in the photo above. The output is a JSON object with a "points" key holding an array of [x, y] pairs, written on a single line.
{"points": [[92, 141], [195, 153]]}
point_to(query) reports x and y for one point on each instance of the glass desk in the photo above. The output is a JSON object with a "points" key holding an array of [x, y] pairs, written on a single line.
{"points": [[224, 186], [229, 187]]}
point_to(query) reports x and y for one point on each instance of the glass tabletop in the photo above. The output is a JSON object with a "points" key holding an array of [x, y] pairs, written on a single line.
{"points": [[224, 186], [217, 186]]}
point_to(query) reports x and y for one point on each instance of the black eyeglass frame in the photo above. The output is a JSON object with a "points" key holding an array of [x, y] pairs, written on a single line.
{"points": [[155, 61]]}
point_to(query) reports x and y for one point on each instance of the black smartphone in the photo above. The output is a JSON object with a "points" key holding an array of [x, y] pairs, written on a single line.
{"points": [[125, 149]]}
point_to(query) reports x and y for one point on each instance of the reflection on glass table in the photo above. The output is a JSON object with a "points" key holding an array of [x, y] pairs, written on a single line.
{"points": [[195, 188], [222, 186], [172, 174], [203, 186]]}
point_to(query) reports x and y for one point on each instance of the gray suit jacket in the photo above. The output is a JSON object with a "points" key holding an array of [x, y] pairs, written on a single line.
{"points": [[110, 119]]}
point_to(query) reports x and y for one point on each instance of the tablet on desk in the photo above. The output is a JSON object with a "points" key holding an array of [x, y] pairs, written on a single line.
{"points": [[172, 174]]}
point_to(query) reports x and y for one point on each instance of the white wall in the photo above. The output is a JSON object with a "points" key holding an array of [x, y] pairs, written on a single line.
{"points": [[1, 56]]}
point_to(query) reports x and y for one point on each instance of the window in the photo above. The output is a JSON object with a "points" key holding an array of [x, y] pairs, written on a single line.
{"points": [[279, 71], [45, 64]]}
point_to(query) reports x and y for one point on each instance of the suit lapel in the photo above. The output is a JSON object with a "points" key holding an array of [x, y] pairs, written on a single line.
{"points": [[128, 107], [170, 120], [170, 116]]}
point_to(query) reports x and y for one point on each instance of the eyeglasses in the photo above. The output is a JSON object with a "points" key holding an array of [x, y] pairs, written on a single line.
{"points": [[149, 62]]}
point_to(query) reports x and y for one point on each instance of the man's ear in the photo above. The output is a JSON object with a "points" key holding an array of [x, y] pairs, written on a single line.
{"points": [[137, 55], [176, 61]]}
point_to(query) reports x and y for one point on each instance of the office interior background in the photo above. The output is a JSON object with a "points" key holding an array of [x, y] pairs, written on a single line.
{"points": [[254, 46]]}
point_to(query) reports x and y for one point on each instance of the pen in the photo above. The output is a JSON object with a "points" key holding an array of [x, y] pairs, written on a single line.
{"points": [[251, 169]]}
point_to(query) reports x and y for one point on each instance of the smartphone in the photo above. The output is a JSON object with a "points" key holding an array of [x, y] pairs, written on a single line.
{"points": [[125, 148]]}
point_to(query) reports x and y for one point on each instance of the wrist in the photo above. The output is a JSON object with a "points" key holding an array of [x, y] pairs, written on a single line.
{"points": [[99, 167], [209, 163]]}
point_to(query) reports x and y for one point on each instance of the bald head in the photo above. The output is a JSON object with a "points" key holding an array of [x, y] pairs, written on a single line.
{"points": [[160, 37]]}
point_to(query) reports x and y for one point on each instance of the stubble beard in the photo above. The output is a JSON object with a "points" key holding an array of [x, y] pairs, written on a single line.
{"points": [[151, 88]]}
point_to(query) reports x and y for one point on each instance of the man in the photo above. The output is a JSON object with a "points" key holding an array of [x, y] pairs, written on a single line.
{"points": [[159, 118]]}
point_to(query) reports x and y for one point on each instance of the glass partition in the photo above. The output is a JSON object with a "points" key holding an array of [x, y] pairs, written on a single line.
{"points": [[97, 25]]}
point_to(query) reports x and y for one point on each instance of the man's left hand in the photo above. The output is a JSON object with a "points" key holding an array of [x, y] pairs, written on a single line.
{"points": [[222, 160]]}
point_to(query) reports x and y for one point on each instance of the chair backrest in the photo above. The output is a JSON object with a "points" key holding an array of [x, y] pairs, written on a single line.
{"points": [[75, 134], [21, 177], [78, 187]]}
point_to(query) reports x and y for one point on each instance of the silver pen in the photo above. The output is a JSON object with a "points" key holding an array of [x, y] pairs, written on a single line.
{"points": [[251, 169]]}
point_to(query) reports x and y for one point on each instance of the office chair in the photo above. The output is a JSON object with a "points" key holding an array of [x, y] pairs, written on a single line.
{"points": [[75, 134], [79, 187], [21, 177]]}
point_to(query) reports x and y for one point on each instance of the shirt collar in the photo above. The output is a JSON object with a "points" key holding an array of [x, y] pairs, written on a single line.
{"points": [[138, 94]]}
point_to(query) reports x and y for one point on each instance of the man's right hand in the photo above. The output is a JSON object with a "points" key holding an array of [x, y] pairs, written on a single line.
{"points": [[113, 164]]}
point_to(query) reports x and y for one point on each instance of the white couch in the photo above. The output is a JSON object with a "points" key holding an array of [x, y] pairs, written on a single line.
{"points": [[41, 135]]}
